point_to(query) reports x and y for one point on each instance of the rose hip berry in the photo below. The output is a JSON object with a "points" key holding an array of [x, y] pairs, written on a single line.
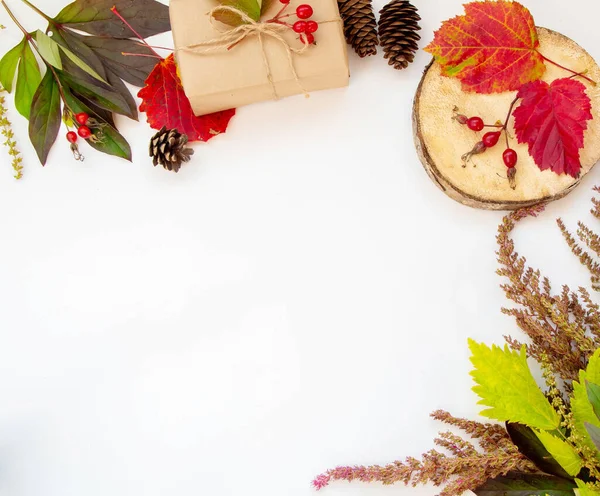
{"points": [[82, 118], [475, 124], [491, 139], [510, 158], [285, 2], [71, 136], [312, 27], [300, 26], [84, 132], [310, 39], [304, 11]]}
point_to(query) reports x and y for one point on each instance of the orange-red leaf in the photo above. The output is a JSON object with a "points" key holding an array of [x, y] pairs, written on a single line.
{"points": [[491, 49], [551, 120], [166, 104]]}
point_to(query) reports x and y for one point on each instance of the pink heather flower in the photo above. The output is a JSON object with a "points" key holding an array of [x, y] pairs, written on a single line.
{"points": [[321, 481]]}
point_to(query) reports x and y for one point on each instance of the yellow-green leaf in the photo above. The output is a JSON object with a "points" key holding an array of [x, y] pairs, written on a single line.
{"points": [[582, 409], [562, 452], [505, 384], [28, 80], [48, 49], [584, 489], [8, 66]]}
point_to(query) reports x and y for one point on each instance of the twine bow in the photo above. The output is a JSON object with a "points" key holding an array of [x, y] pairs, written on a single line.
{"points": [[231, 37]]}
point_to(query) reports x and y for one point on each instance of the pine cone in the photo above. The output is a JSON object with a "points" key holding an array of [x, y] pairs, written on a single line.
{"points": [[398, 26], [167, 148], [360, 26]]}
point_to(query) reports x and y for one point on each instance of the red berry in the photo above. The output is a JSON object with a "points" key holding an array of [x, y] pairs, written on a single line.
{"points": [[299, 26], [491, 139], [310, 39], [71, 136], [312, 27], [84, 132], [285, 1], [304, 11], [510, 158], [82, 118], [475, 124]]}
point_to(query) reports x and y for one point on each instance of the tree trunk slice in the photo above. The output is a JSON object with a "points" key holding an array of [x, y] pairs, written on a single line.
{"points": [[441, 141]]}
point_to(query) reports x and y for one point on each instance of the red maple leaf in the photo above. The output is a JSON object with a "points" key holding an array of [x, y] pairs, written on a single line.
{"points": [[551, 120], [166, 104], [491, 49]]}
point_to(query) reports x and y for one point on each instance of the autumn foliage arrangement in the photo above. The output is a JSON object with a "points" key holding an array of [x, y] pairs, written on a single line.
{"points": [[546, 438], [494, 48]]}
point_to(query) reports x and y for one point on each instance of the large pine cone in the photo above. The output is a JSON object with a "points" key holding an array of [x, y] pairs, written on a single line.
{"points": [[167, 148], [360, 26], [398, 26]]}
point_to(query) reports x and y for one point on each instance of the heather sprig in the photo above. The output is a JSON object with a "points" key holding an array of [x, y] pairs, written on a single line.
{"points": [[9, 138]]}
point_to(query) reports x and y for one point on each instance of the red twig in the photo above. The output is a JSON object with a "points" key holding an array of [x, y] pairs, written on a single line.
{"points": [[141, 38]]}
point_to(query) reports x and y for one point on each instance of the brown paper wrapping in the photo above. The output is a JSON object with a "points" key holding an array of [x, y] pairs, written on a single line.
{"points": [[227, 79]]}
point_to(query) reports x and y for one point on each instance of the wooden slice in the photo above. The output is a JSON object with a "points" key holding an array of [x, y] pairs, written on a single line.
{"points": [[441, 141]]}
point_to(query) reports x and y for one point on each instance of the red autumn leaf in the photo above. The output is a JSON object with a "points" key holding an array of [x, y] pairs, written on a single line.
{"points": [[551, 120], [491, 49], [166, 104]]}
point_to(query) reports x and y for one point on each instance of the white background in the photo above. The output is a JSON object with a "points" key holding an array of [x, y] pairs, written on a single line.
{"points": [[297, 297]]}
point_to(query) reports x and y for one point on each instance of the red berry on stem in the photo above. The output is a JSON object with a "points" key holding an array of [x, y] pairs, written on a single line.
{"points": [[82, 118], [475, 123], [299, 26], [310, 39], [84, 132], [304, 11], [510, 158], [71, 136], [491, 139], [285, 1], [312, 27]]}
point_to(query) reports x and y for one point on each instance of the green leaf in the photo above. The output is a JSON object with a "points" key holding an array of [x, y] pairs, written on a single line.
{"points": [[562, 452], [119, 86], [594, 433], [593, 392], [529, 445], [48, 49], [505, 384], [584, 489], [8, 66], [44, 123], [81, 64], [582, 409], [520, 484], [147, 17], [111, 141], [251, 7], [28, 80], [134, 70], [72, 41]]}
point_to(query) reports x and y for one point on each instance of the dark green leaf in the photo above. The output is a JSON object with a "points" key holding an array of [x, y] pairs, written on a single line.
{"points": [[28, 80], [104, 114], [119, 86], [594, 433], [134, 70], [519, 484], [593, 392], [44, 122], [101, 94], [147, 17], [530, 446], [8, 66], [68, 39], [110, 141]]}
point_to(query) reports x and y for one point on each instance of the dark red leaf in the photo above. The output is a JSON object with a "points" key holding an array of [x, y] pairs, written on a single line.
{"points": [[551, 120], [166, 104]]}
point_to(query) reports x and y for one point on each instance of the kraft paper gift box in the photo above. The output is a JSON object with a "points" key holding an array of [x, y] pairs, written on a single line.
{"points": [[222, 79]]}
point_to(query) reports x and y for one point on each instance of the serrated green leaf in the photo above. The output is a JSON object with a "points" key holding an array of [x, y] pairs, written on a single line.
{"points": [[505, 384], [147, 17], [44, 123], [562, 452], [28, 80], [529, 445], [521, 484], [8, 66], [593, 392], [48, 49], [110, 141], [584, 489], [582, 409]]}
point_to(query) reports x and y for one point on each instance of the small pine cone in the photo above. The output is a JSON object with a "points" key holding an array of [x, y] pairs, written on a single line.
{"points": [[167, 148], [398, 26], [360, 26]]}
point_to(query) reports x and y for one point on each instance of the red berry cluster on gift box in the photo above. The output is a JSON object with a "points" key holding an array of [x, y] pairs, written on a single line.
{"points": [[304, 27]]}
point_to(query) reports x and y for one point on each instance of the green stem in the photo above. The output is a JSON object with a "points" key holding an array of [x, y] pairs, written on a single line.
{"points": [[48, 18], [577, 74]]}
